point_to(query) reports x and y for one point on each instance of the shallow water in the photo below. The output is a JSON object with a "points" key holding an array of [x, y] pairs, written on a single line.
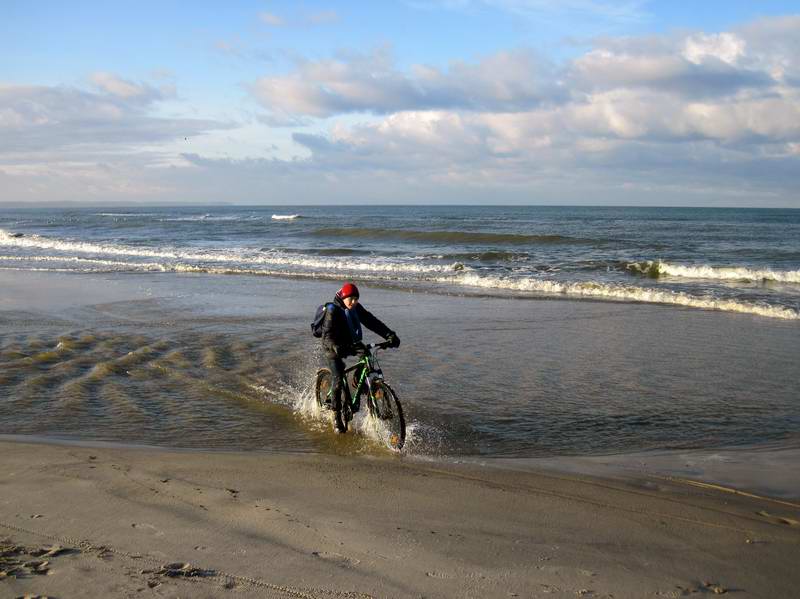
{"points": [[205, 361]]}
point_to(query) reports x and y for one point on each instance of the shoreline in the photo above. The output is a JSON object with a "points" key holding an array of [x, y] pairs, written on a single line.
{"points": [[173, 523], [769, 471]]}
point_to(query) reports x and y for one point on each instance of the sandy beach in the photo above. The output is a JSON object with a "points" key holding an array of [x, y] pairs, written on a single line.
{"points": [[154, 523]]}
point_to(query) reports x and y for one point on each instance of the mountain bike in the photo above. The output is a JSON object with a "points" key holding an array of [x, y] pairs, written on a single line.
{"points": [[363, 383]]}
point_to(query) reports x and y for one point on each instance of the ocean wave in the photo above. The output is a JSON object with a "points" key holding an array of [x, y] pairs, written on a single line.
{"points": [[448, 236], [396, 270], [90, 264], [490, 256], [232, 258], [285, 216], [324, 251], [626, 293], [657, 268], [203, 218], [126, 214]]}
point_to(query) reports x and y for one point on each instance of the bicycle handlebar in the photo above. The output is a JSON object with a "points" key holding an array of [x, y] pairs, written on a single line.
{"points": [[383, 345]]}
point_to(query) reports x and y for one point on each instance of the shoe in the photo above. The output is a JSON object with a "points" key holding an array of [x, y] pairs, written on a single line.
{"points": [[339, 423]]}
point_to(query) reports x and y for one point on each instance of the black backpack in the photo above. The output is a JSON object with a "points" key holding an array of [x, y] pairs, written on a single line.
{"points": [[319, 318]]}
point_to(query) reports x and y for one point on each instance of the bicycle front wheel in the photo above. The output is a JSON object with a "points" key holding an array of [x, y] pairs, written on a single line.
{"points": [[323, 388], [386, 409], [323, 391]]}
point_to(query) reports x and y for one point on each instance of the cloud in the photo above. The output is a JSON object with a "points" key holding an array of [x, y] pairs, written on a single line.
{"points": [[693, 67], [42, 117], [62, 142], [717, 112], [700, 75], [506, 81], [271, 19], [124, 89], [322, 17]]}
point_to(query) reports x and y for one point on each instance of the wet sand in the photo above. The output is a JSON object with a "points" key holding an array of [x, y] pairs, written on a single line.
{"points": [[155, 523]]}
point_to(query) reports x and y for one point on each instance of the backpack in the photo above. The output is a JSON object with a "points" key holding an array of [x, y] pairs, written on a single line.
{"points": [[319, 318]]}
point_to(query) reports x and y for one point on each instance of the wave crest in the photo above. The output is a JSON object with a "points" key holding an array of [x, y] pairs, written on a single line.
{"points": [[628, 293], [657, 268]]}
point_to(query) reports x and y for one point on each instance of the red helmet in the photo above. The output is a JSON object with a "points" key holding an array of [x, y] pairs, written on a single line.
{"points": [[347, 290]]}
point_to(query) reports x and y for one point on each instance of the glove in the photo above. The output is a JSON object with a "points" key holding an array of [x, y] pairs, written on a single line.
{"points": [[394, 340]]}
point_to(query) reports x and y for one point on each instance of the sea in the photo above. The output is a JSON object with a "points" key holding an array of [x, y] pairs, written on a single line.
{"points": [[526, 331]]}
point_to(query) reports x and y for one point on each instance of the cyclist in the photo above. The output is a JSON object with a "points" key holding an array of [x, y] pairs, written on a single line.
{"points": [[341, 333]]}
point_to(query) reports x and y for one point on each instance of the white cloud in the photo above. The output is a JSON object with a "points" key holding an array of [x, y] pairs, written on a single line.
{"points": [[271, 19], [506, 81], [121, 88], [726, 47], [42, 117], [71, 143], [323, 17]]}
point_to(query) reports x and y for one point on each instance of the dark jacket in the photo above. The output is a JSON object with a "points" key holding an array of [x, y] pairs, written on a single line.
{"points": [[337, 338]]}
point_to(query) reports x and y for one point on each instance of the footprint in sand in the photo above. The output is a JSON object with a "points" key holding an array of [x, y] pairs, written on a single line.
{"points": [[441, 575], [336, 558], [144, 526]]}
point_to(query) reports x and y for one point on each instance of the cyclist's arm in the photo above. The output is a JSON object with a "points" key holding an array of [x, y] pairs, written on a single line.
{"points": [[373, 323], [328, 343]]}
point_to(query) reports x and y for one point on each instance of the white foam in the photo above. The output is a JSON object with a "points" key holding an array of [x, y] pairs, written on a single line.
{"points": [[622, 292], [244, 256], [733, 273], [113, 265], [285, 216], [280, 264]]}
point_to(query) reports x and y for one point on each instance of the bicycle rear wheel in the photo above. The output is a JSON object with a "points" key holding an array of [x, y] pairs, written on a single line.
{"points": [[386, 409]]}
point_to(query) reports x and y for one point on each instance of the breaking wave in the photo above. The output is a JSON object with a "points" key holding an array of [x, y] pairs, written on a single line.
{"points": [[656, 268], [241, 261], [95, 257], [626, 293]]}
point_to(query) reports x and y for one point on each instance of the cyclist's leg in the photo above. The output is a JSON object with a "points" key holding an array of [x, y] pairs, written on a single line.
{"points": [[337, 370]]}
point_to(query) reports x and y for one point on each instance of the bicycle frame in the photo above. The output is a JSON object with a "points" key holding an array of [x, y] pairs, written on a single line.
{"points": [[370, 370]]}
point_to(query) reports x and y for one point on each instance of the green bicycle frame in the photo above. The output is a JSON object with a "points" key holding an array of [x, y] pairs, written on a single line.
{"points": [[368, 365]]}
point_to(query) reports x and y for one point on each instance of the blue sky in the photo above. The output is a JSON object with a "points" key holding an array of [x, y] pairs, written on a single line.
{"points": [[417, 101]]}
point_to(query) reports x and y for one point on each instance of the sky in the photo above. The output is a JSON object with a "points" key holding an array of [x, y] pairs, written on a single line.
{"points": [[599, 102]]}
